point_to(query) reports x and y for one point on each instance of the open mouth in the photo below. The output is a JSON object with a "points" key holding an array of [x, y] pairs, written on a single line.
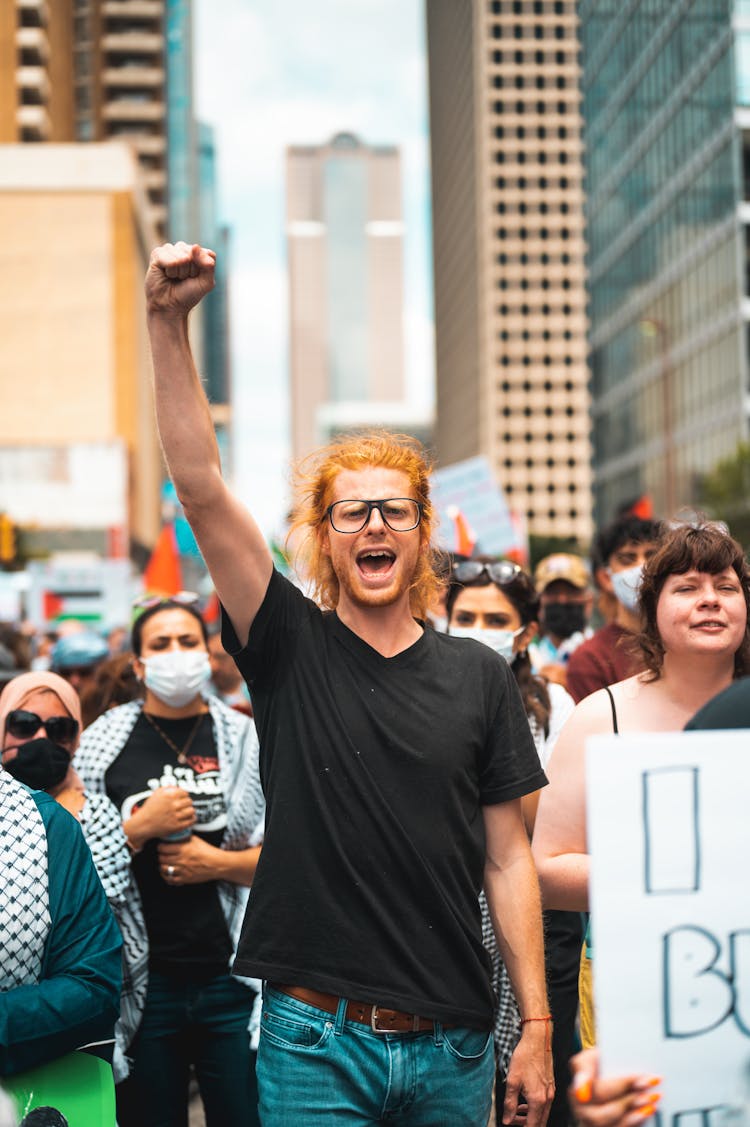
{"points": [[375, 562]]}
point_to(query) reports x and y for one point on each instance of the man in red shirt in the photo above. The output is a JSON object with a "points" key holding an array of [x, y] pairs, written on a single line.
{"points": [[619, 553]]}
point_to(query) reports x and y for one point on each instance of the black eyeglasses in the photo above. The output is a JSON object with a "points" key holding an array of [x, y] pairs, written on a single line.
{"points": [[23, 725], [401, 514], [501, 572]]}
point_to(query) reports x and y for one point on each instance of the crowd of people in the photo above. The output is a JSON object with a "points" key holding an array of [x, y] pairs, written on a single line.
{"points": [[301, 859]]}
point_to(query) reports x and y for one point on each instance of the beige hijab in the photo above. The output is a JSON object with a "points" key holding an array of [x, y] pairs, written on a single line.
{"points": [[18, 691]]}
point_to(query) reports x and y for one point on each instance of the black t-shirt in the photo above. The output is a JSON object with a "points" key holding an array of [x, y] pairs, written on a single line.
{"points": [[187, 931], [375, 770], [728, 709]]}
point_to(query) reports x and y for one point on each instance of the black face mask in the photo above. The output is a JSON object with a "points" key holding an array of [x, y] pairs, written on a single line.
{"points": [[40, 764], [563, 619]]}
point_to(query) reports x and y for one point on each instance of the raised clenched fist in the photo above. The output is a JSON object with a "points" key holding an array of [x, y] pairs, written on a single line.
{"points": [[178, 276]]}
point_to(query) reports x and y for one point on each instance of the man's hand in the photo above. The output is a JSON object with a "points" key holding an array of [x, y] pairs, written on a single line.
{"points": [[530, 1073], [178, 277], [622, 1102]]}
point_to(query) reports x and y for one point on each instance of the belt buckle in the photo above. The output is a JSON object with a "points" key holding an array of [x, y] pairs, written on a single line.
{"points": [[378, 1029]]}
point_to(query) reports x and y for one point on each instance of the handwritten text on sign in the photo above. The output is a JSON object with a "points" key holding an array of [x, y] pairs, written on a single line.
{"points": [[669, 837]]}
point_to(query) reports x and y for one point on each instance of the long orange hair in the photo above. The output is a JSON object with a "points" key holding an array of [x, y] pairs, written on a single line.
{"points": [[314, 478]]}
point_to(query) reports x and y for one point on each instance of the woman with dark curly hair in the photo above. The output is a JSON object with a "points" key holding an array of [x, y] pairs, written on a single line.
{"points": [[694, 601]]}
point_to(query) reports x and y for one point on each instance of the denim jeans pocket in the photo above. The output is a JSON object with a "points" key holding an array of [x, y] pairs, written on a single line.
{"points": [[307, 1032], [467, 1044]]}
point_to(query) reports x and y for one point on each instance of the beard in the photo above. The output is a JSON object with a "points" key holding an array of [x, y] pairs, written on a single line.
{"points": [[359, 594]]}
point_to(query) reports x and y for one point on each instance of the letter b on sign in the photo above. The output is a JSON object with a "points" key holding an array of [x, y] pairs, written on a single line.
{"points": [[697, 995]]}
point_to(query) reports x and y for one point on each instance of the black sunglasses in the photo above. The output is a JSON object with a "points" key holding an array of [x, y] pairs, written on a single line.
{"points": [[501, 572], [23, 725]]}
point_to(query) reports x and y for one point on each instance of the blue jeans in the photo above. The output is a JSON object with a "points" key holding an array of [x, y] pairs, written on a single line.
{"points": [[317, 1068], [200, 1024]]}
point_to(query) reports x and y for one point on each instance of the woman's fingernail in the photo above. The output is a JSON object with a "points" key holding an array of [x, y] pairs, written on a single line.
{"points": [[583, 1091]]}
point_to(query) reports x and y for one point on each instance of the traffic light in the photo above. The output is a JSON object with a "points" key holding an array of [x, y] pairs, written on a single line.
{"points": [[7, 539]]}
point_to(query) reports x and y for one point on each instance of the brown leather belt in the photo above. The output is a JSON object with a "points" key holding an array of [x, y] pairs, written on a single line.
{"points": [[380, 1019]]}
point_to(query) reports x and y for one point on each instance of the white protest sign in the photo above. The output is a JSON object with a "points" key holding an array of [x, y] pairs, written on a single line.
{"points": [[669, 836], [471, 488]]}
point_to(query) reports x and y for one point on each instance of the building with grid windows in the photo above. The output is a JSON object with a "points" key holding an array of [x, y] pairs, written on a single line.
{"points": [[508, 243], [666, 87]]}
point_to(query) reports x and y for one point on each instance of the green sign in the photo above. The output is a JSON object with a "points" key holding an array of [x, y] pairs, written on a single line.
{"points": [[78, 1086]]}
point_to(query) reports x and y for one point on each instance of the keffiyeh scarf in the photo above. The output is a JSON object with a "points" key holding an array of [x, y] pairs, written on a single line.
{"points": [[24, 892], [237, 752]]}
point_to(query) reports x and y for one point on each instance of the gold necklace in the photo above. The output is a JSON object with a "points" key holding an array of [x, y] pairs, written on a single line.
{"points": [[181, 753]]}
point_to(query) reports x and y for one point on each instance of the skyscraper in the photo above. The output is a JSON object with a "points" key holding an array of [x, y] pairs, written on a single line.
{"points": [[91, 70], [36, 71], [667, 109], [508, 246], [345, 232], [79, 454], [83, 71]]}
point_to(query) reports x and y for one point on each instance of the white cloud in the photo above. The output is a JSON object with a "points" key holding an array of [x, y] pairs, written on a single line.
{"points": [[276, 74], [260, 390], [419, 333]]}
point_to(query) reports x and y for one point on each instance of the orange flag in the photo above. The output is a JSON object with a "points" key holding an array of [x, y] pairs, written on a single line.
{"points": [[643, 508], [465, 538], [163, 574], [212, 610]]}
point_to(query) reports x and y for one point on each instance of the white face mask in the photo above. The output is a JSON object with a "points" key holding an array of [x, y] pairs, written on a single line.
{"points": [[501, 641], [440, 623], [178, 676], [626, 585]]}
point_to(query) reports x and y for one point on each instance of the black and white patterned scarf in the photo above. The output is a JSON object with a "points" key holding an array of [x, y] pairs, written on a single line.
{"points": [[237, 752], [24, 890]]}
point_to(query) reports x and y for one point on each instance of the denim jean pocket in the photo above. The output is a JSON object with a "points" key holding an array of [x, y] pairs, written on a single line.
{"points": [[467, 1044], [303, 1032]]}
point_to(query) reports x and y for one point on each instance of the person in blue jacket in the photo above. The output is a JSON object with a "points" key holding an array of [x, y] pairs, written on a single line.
{"points": [[60, 948]]}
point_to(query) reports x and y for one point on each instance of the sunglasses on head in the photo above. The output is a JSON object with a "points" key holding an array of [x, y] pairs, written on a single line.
{"points": [[24, 725], [184, 598], [501, 572], [148, 602]]}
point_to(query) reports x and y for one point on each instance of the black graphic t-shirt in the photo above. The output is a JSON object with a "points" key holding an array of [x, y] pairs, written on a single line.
{"points": [[187, 932]]}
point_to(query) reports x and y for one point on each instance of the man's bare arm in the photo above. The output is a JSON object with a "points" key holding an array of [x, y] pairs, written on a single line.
{"points": [[234, 549], [512, 893]]}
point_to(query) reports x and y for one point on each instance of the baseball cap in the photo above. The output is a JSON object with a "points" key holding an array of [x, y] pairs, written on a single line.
{"points": [[561, 565], [81, 650]]}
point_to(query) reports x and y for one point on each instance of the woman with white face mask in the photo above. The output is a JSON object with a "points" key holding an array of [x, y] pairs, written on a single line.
{"points": [[495, 602], [182, 769]]}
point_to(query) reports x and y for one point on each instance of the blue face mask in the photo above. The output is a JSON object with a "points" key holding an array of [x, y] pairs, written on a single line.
{"points": [[626, 585], [501, 641]]}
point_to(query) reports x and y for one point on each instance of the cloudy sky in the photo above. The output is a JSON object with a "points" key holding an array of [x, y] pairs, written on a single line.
{"points": [[270, 73]]}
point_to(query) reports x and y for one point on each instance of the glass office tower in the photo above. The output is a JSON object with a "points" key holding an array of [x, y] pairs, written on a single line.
{"points": [[664, 86]]}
